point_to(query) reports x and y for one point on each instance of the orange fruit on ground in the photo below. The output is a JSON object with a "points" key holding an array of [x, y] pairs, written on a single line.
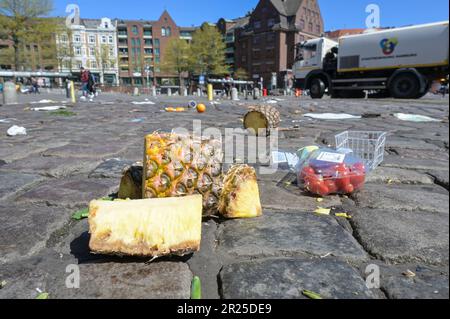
{"points": [[201, 108]]}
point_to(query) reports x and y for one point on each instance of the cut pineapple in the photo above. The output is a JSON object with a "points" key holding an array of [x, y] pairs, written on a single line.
{"points": [[131, 182], [240, 194], [149, 227], [176, 165]]}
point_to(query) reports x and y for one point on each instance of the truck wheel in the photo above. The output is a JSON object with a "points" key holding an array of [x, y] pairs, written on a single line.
{"points": [[427, 89], [405, 86], [317, 89]]}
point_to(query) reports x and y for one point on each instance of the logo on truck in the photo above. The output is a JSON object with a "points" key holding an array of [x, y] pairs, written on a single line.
{"points": [[389, 45]]}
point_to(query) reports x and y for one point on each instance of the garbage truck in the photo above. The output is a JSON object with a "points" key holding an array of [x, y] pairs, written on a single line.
{"points": [[402, 63]]}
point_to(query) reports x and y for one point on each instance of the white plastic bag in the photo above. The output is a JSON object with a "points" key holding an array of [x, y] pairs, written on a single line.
{"points": [[16, 130]]}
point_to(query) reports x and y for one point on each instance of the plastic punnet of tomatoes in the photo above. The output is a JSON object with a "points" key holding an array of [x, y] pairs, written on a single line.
{"points": [[326, 172]]}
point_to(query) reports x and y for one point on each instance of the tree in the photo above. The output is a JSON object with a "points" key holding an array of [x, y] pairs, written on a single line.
{"points": [[208, 51], [21, 22], [64, 48], [241, 74], [104, 59], [177, 58]]}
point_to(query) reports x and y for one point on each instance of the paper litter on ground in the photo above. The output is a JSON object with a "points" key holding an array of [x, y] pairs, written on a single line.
{"points": [[16, 130], [48, 108], [332, 116], [143, 103], [43, 102], [415, 118]]}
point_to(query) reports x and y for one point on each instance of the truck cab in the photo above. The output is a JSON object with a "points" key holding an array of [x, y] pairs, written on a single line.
{"points": [[310, 56]]}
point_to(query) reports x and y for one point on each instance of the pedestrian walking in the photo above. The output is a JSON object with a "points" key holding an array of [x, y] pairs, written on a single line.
{"points": [[85, 81]]}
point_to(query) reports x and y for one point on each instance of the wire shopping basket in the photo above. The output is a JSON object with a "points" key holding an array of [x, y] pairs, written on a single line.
{"points": [[369, 146]]}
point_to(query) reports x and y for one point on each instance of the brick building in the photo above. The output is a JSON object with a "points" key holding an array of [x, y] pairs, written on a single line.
{"points": [[142, 45], [266, 44], [228, 29]]}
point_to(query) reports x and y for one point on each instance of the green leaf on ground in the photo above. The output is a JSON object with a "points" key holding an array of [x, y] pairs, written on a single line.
{"points": [[311, 294], [43, 295], [196, 290], [81, 214], [63, 113]]}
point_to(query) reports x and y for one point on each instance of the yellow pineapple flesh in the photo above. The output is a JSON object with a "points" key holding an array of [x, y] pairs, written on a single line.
{"points": [[178, 165], [146, 228], [240, 196]]}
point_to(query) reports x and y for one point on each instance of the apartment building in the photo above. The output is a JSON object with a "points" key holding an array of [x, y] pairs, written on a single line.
{"points": [[32, 57], [141, 48], [228, 29], [92, 43], [265, 45]]}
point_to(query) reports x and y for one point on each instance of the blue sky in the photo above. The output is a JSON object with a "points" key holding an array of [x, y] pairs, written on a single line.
{"points": [[337, 13]]}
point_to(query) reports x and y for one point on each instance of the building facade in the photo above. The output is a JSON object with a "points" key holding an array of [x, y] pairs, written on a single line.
{"points": [[92, 44], [228, 29], [141, 49], [265, 46]]}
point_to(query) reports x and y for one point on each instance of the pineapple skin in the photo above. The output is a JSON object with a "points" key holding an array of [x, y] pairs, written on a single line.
{"points": [[146, 228], [240, 196], [176, 165]]}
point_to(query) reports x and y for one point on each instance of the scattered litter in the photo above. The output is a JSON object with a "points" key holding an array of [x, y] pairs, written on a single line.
{"points": [[48, 108], [151, 260], [343, 215], [6, 120], [409, 274], [326, 255], [193, 104], [16, 130], [322, 211], [311, 294], [272, 101], [2, 284], [143, 103], [319, 200], [415, 118], [63, 113], [196, 289], [140, 120], [43, 102], [390, 181], [331, 116]]}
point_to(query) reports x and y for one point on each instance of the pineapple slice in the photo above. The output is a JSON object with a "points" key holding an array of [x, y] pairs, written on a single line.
{"points": [[240, 194], [149, 227]]}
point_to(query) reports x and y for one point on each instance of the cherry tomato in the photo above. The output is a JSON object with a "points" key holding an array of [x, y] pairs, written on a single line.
{"points": [[316, 185], [349, 189], [306, 171], [359, 167], [358, 180], [332, 187]]}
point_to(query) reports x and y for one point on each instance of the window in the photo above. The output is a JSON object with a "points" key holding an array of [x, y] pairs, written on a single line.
{"points": [[91, 51], [271, 22], [111, 51], [244, 58], [148, 42], [93, 64], [78, 51], [302, 24], [310, 27], [271, 37], [63, 38], [92, 39], [257, 24], [135, 30], [157, 52], [148, 51], [103, 38], [169, 31], [318, 29], [111, 39], [156, 42], [77, 38], [106, 25]]}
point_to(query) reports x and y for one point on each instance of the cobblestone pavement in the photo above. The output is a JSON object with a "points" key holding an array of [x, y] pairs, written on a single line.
{"points": [[400, 220]]}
